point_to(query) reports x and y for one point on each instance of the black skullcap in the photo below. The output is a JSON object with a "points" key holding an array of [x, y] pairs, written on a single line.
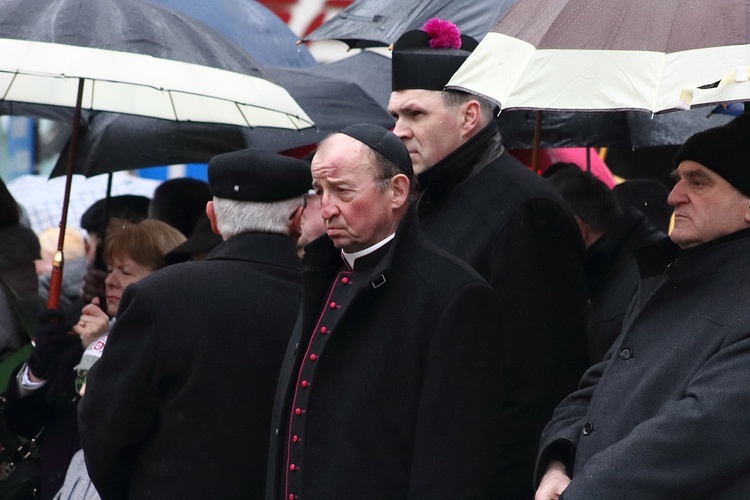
{"points": [[128, 206], [384, 142], [416, 64], [256, 174], [725, 150]]}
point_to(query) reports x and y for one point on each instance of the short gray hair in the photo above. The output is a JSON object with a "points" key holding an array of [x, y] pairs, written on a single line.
{"points": [[235, 217], [454, 98]]}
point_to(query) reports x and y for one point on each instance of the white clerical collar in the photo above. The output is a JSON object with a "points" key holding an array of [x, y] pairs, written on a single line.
{"points": [[351, 257]]}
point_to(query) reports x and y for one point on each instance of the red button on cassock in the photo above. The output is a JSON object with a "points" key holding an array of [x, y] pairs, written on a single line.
{"points": [[332, 305], [313, 357], [324, 330], [291, 497], [295, 439], [298, 411], [304, 383], [292, 467], [345, 280]]}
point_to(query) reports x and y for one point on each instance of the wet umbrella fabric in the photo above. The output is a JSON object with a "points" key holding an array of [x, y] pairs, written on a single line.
{"points": [[252, 26], [131, 56], [372, 23], [598, 54]]}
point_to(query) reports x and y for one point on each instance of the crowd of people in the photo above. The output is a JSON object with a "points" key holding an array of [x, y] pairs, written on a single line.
{"points": [[411, 314]]}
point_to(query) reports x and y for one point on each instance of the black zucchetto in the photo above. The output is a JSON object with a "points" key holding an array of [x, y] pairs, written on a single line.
{"points": [[384, 142], [428, 58], [256, 174]]}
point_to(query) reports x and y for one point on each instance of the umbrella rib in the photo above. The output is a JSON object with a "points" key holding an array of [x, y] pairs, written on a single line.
{"points": [[10, 85], [171, 103]]}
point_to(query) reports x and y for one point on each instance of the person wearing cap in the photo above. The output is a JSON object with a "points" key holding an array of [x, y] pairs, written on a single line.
{"points": [[389, 387], [483, 206], [665, 415], [179, 404]]}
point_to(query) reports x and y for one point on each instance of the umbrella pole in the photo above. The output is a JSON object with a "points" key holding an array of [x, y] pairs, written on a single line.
{"points": [[55, 284], [537, 142]]}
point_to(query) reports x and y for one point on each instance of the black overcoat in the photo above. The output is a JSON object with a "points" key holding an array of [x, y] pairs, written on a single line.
{"points": [[179, 405], [665, 417], [402, 395], [514, 228]]}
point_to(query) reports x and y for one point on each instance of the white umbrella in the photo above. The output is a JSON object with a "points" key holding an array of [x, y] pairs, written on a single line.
{"points": [[613, 55]]}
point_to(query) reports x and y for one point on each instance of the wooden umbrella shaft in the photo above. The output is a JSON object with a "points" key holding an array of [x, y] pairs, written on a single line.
{"points": [[55, 285]]}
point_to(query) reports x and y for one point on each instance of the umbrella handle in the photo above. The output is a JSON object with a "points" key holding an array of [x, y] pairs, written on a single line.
{"points": [[55, 282]]}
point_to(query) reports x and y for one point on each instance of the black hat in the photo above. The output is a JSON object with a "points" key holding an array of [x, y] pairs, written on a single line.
{"points": [[725, 150], [128, 206], [384, 142], [256, 174], [428, 58], [202, 239]]}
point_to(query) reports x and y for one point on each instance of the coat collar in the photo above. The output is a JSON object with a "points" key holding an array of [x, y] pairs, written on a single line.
{"points": [[269, 248], [712, 256], [463, 162]]}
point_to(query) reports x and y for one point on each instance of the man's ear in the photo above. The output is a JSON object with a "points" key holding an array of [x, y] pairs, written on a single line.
{"points": [[747, 211], [295, 223], [212, 217], [471, 118], [400, 188]]}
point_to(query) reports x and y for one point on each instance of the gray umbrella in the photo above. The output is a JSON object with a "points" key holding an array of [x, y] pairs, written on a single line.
{"points": [[372, 23]]}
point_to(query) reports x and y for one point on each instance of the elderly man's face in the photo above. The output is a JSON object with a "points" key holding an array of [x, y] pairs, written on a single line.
{"points": [[356, 213], [706, 206], [428, 128]]}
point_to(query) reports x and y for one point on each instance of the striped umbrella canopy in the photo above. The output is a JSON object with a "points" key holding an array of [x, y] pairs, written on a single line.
{"points": [[646, 55]]}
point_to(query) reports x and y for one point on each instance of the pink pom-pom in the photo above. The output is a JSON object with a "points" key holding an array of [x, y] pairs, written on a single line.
{"points": [[443, 34]]}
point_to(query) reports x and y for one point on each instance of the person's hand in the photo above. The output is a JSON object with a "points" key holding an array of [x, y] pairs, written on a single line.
{"points": [[553, 483], [93, 285], [93, 324], [52, 336]]}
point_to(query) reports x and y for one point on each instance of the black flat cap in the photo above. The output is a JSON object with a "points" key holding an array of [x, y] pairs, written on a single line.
{"points": [[384, 142], [202, 240], [427, 58], [256, 174]]}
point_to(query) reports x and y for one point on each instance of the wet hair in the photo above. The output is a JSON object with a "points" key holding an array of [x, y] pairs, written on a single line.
{"points": [[145, 242], [454, 98], [588, 198], [180, 202], [10, 214]]}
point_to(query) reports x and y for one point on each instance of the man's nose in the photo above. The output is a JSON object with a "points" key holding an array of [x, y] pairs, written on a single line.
{"points": [[677, 195], [401, 130]]}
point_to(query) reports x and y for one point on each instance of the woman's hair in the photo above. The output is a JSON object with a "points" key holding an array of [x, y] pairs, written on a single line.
{"points": [[9, 211], [145, 242]]}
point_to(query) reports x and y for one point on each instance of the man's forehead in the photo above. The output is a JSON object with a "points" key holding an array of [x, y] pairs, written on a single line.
{"points": [[693, 169], [413, 98]]}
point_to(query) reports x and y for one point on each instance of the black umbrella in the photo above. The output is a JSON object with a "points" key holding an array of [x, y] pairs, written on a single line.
{"points": [[334, 95], [252, 26], [127, 56], [373, 23]]}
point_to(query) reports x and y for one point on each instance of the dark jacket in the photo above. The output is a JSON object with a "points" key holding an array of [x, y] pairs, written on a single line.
{"points": [[612, 277], [179, 404], [665, 417], [393, 378], [513, 227]]}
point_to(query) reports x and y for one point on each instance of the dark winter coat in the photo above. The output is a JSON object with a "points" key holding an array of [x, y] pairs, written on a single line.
{"points": [[665, 417], [513, 227], [179, 404], [612, 277], [393, 379]]}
